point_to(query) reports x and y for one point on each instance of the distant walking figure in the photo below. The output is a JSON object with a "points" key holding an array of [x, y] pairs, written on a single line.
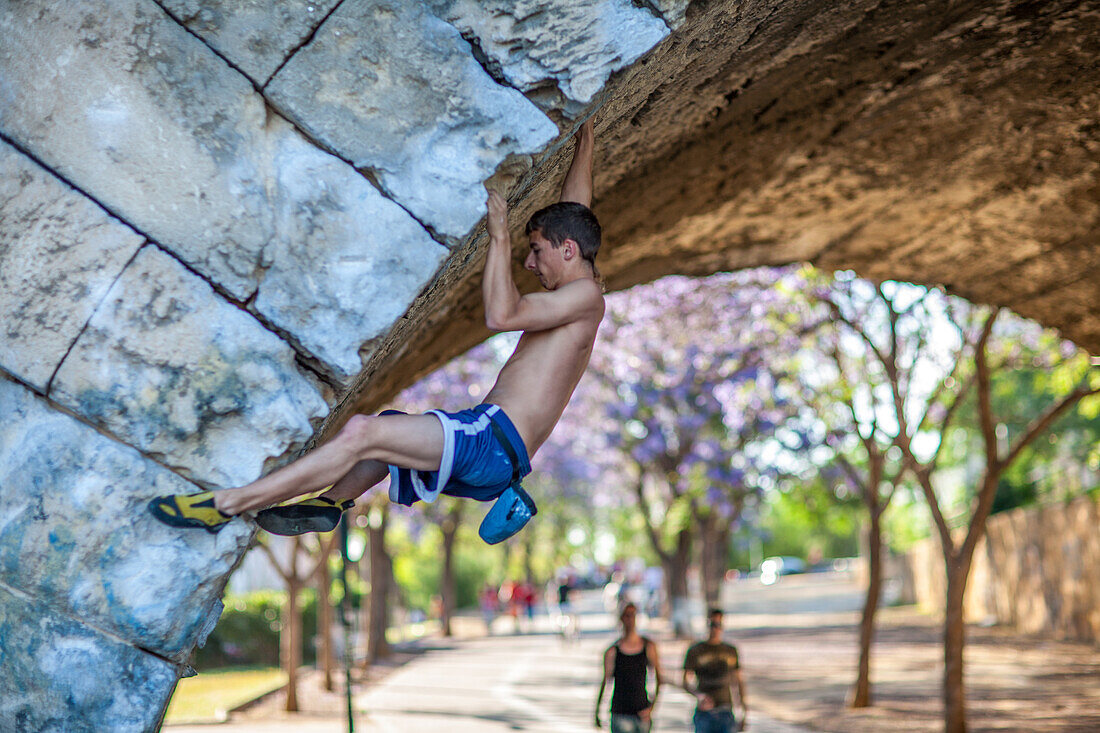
{"points": [[710, 669], [481, 453], [625, 663]]}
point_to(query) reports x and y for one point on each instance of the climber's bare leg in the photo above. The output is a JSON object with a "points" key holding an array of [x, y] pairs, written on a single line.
{"points": [[362, 476], [358, 453]]}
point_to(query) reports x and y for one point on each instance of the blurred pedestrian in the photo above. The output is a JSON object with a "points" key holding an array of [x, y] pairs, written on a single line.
{"points": [[626, 663], [567, 617], [710, 669], [489, 603], [528, 598]]}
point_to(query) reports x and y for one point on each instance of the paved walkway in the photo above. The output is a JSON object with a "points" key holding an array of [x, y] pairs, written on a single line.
{"points": [[798, 645], [535, 682]]}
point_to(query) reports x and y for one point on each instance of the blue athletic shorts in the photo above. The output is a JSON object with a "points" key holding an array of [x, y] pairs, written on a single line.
{"points": [[474, 465]]}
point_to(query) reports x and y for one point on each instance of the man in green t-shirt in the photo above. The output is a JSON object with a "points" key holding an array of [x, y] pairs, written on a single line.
{"points": [[710, 669]]}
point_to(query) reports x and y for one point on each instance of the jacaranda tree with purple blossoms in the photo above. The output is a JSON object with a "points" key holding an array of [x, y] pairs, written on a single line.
{"points": [[695, 376]]}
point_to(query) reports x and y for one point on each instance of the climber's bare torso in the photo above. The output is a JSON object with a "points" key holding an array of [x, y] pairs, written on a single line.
{"points": [[559, 325], [536, 383]]}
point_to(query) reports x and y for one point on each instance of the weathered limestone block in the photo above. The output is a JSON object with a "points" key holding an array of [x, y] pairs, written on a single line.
{"points": [[392, 88], [570, 45], [350, 260], [179, 373], [255, 36], [75, 533], [59, 253], [61, 676], [142, 116], [131, 108]]}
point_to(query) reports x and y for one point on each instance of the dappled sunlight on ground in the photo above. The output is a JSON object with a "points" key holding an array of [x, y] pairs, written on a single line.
{"points": [[799, 668]]}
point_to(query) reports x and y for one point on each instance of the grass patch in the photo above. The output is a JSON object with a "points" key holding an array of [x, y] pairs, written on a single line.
{"points": [[208, 696]]}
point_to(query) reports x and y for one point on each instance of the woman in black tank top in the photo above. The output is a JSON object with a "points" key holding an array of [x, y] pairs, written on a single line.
{"points": [[631, 708], [628, 696]]}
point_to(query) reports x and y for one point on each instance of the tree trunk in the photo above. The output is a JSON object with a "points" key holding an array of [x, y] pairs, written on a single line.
{"points": [[861, 693], [291, 638], [958, 565], [448, 589], [324, 619], [954, 640], [528, 550], [676, 567], [714, 533], [377, 646]]}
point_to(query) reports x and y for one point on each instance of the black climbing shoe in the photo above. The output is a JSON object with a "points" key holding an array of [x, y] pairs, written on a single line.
{"points": [[312, 515], [189, 510]]}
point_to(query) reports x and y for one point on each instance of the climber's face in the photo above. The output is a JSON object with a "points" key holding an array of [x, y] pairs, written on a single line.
{"points": [[546, 260]]}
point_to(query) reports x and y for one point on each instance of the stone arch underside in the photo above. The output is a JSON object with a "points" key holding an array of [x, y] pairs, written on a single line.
{"points": [[223, 230]]}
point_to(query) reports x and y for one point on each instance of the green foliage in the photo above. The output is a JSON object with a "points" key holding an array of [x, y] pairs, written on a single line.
{"points": [[1034, 370], [907, 520], [800, 523], [1012, 494], [248, 630], [418, 566]]}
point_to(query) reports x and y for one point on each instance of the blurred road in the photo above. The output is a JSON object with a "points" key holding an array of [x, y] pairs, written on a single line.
{"points": [[539, 682]]}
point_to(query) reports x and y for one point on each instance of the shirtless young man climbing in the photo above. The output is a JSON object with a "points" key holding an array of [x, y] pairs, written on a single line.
{"points": [[477, 453]]}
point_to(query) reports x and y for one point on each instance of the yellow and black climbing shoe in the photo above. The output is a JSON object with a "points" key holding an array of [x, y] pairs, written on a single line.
{"points": [[312, 515], [189, 510]]}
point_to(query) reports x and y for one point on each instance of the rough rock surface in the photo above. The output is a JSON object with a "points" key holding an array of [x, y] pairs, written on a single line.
{"points": [[560, 53], [59, 253], [145, 119], [99, 557], [347, 261], [54, 664], [182, 375], [931, 142], [395, 90], [1037, 567], [673, 11], [256, 37]]}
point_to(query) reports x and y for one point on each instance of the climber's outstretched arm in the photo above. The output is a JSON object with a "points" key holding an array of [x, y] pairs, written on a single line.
{"points": [[578, 181]]}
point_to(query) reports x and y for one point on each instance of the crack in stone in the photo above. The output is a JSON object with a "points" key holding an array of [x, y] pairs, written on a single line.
{"points": [[91, 315], [491, 67], [200, 39], [83, 621], [272, 108], [303, 357], [85, 421], [301, 44]]}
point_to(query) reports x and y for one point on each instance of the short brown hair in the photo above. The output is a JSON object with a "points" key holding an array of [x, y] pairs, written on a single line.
{"points": [[569, 220]]}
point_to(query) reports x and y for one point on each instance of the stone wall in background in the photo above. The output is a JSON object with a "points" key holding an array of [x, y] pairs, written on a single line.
{"points": [[1037, 570], [210, 215]]}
